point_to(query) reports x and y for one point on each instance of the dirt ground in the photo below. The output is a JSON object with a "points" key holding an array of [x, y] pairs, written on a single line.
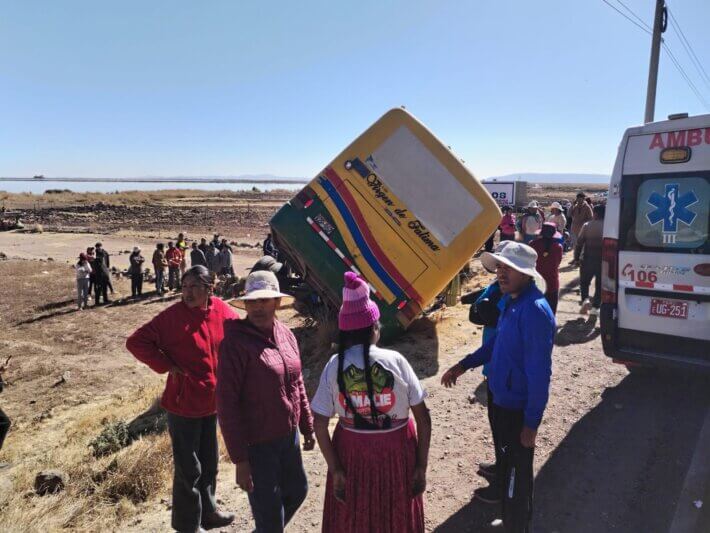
{"points": [[612, 451]]}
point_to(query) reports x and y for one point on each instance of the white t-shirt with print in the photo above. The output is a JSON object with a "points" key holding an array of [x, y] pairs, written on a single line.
{"points": [[395, 386]]}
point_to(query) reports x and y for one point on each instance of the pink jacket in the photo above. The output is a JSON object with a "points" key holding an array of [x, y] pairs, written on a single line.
{"points": [[260, 390], [507, 224]]}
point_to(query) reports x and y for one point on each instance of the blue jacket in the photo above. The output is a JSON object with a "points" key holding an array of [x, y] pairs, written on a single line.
{"points": [[520, 354]]}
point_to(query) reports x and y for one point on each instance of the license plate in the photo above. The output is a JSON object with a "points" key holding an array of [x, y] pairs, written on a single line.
{"points": [[669, 308]]}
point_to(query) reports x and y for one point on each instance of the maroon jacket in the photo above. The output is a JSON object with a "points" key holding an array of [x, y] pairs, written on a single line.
{"points": [[260, 391], [188, 338]]}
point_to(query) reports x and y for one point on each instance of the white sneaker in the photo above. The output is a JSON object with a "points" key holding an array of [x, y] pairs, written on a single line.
{"points": [[586, 305]]}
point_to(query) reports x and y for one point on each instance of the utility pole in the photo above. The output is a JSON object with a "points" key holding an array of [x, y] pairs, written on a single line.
{"points": [[660, 21]]}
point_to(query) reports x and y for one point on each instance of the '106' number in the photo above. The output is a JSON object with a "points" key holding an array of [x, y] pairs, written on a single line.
{"points": [[640, 275]]}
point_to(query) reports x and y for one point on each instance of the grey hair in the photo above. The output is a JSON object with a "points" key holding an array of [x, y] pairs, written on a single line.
{"points": [[200, 274]]}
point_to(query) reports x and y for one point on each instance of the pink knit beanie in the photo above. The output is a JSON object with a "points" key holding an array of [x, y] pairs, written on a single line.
{"points": [[357, 311]]}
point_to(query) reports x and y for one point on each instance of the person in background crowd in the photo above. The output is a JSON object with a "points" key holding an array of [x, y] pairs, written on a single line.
{"points": [[557, 216], [269, 248], [174, 258], [91, 257], [272, 265], [261, 405], [216, 241], [589, 248], [5, 422], [213, 258], [520, 354], [203, 246], [376, 460], [184, 341], [83, 274], [507, 224], [102, 275], [530, 223], [581, 213], [181, 244], [225, 260], [488, 246], [159, 265], [135, 270], [549, 256], [197, 257]]}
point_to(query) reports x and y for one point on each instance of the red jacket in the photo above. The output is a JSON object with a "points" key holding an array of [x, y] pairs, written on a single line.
{"points": [[188, 338], [174, 257], [260, 391], [548, 262]]}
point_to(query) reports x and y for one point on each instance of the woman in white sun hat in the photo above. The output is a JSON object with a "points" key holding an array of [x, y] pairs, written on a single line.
{"points": [[520, 357], [262, 405], [557, 216]]}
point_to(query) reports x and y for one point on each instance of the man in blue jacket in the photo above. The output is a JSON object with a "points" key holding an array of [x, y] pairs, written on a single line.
{"points": [[520, 359]]}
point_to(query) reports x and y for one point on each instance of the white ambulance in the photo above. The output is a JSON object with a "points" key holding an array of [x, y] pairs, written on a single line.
{"points": [[656, 257]]}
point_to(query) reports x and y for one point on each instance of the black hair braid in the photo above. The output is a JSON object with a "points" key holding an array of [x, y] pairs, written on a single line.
{"points": [[368, 380]]}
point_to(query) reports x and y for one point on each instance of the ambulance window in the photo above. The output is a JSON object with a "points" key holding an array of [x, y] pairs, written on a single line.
{"points": [[666, 213]]}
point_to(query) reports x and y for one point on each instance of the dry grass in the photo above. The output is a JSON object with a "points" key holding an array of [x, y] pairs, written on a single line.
{"points": [[100, 493]]}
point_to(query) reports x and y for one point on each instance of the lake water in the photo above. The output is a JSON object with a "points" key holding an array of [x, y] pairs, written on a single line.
{"points": [[39, 186]]}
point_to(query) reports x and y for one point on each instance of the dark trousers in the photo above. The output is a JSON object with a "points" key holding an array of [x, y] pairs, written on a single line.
{"points": [[507, 237], [552, 299], [515, 470], [491, 418], [489, 243], [159, 280], [195, 457], [100, 288], [137, 284], [173, 278], [280, 484], [4, 427], [588, 271]]}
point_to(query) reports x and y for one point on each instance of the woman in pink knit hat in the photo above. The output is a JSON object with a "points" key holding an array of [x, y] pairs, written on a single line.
{"points": [[376, 460]]}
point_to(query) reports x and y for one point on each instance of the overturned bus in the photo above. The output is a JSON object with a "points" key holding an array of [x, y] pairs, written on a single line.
{"points": [[398, 208]]}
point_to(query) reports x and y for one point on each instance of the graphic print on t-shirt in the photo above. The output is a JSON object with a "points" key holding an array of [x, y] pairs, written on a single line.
{"points": [[356, 387]]}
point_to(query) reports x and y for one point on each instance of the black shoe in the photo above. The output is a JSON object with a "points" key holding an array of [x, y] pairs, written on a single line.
{"points": [[487, 470], [217, 519], [489, 494]]}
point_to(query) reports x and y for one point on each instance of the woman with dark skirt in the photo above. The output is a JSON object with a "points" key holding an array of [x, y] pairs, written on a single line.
{"points": [[376, 459]]}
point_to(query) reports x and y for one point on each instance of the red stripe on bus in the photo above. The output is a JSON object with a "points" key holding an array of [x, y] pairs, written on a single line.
{"points": [[645, 284], [687, 288]]}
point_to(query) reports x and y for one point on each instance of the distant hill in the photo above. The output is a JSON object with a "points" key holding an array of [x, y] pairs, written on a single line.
{"points": [[538, 177]]}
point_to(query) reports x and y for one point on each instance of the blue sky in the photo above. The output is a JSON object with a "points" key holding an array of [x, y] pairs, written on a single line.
{"points": [[177, 88]]}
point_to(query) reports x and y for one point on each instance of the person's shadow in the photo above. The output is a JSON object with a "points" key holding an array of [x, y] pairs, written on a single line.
{"points": [[577, 331]]}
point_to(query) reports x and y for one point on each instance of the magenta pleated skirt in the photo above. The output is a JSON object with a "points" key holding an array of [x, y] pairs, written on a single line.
{"points": [[378, 467]]}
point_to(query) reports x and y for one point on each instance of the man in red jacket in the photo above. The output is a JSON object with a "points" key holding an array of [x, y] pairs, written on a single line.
{"points": [[174, 258], [184, 341], [261, 405]]}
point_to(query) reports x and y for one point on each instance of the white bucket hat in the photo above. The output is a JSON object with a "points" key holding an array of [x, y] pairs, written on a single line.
{"points": [[262, 284], [533, 204], [519, 257], [556, 205]]}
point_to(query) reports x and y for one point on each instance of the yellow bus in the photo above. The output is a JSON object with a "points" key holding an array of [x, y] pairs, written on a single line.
{"points": [[398, 208]]}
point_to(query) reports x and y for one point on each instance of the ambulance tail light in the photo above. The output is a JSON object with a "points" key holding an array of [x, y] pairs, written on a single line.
{"points": [[610, 254]]}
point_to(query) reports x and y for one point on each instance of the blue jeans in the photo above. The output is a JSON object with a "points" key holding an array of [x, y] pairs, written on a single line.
{"points": [[280, 484]]}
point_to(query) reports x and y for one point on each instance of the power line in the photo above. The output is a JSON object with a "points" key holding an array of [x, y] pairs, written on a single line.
{"points": [[644, 27], [685, 76], [689, 50], [632, 21], [627, 8]]}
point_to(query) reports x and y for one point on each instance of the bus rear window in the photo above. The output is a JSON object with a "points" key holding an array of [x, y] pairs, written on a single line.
{"points": [[665, 213]]}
